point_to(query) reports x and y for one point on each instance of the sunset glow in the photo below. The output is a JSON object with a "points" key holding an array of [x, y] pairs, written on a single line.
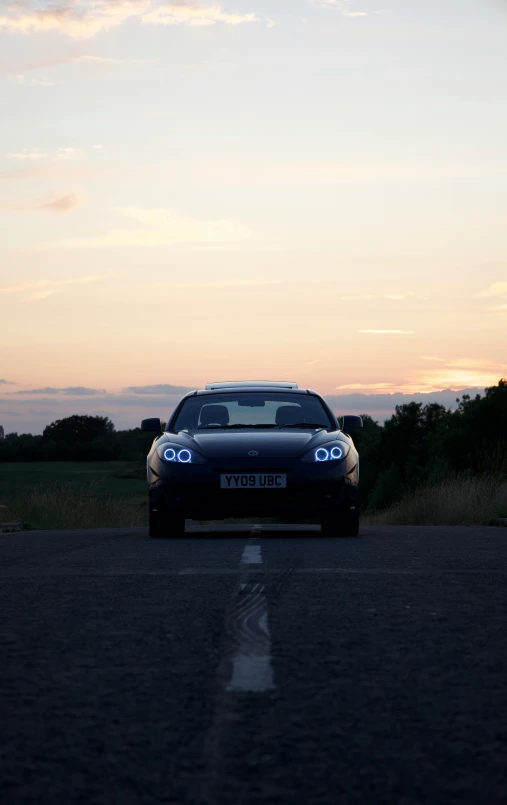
{"points": [[200, 191]]}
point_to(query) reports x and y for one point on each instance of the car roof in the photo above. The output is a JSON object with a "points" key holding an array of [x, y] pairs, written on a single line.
{"points": [[219, 388], [241, 389], [248, 384]]}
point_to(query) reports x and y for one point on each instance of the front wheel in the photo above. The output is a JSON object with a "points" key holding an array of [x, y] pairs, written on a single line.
{"points": [[166, 524], [344, 523]]}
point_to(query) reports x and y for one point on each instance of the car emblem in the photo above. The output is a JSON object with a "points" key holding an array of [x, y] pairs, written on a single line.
{"points": [[253, 453]]}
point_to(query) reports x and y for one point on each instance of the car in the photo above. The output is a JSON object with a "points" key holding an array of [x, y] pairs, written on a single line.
{"points": [[253, 448]]}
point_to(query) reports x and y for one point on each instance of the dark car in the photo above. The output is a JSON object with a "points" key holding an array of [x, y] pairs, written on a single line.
{"points": [[248, 449]]}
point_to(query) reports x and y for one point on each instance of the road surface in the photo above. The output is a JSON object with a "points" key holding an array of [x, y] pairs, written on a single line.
{"points": [[239, 666]]}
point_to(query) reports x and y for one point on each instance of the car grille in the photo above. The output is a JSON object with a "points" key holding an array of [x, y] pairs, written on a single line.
{"points": [[213, 497]]}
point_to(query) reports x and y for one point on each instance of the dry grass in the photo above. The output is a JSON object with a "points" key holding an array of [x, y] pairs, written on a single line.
{"points": [[461, 500], [73, 506]]}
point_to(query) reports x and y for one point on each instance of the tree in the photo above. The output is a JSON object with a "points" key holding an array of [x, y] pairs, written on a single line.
{"points": [[2, 432], [80, 429]]}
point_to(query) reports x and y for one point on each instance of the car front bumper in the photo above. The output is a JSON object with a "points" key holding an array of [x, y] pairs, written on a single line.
{"points": [[311, 490]]}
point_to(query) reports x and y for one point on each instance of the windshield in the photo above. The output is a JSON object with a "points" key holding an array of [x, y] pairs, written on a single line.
{"points": [[251, 409]]}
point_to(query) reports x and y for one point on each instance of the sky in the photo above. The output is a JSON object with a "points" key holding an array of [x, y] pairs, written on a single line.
{"points": [[307, 190]]}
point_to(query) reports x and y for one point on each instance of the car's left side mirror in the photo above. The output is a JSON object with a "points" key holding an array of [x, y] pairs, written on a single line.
{"points": [[151, 425], [352, 423]]}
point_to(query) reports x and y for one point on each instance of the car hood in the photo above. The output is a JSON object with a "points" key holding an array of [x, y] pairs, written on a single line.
{"points": [[238, 444]]}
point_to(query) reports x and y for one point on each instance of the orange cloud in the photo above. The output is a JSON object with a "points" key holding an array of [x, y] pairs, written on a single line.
{"points": [[85, 18], [387, 332], [46, 286], [56, 206]]}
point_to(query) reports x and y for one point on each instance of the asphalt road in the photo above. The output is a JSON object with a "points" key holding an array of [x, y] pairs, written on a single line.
{"points": [[242, 667]]}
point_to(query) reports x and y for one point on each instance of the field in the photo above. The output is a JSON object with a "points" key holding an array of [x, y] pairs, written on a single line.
{"points": [[458, 500], [107, 494], [73, 494]]}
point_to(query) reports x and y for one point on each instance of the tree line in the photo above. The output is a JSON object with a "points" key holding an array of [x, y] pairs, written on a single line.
{"points": [[417, 444], [77, 438]]}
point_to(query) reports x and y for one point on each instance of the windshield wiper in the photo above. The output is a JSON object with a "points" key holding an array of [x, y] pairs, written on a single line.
{"points": [[304, 425]]}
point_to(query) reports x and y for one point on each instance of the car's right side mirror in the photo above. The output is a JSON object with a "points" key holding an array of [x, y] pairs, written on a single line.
{"points": [[352, 423], [151, 425]]}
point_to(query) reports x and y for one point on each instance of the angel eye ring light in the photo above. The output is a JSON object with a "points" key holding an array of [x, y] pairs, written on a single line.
{"points": [[182, 456]]}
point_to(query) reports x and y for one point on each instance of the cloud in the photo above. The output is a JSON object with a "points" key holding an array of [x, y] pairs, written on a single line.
{"points": [[388, 332], [398, 296], [160, 388], [358, 386], [346, 171], [85, 18], [459, 372], [256, 283], [161, 227], [60, 205], [4, 382], [70, 391], [34, 154], [57, 206], [22, 81], [28, 154], [45, 287], [54, 170], [69, 153], [126, 410], [34, 412], [433, 358], [342, 6], [39, 295], [496, 289], [383, 405], [392, 296]]}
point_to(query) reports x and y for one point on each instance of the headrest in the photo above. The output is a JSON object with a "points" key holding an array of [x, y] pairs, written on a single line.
{"points": [[289, 415], [214, 415]]}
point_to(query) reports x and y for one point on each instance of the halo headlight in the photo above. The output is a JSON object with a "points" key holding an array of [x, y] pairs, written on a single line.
{"points": [[176, 454], [332, 451]]}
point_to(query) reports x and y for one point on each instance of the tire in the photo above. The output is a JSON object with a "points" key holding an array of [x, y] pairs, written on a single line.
{"points": [[341, 524], [166, 525]]}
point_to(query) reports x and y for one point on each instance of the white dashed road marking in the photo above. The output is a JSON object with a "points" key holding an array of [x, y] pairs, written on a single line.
{"points": [[247, 625], [252, 555]]}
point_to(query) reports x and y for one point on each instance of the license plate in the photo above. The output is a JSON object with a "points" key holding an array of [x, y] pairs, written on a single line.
{"points": [[253, 481]]}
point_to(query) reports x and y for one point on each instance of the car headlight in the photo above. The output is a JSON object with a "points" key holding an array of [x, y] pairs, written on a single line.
{"points": [[176, 454], [332, 451]]}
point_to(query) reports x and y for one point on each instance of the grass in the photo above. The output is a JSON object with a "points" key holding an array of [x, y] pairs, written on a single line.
{"points": [[460, 500], [73, 494], [117, 477], [114, 494], [73, 506]]}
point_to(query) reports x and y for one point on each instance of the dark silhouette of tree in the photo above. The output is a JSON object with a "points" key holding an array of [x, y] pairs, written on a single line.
{"points": [[82, 429]]}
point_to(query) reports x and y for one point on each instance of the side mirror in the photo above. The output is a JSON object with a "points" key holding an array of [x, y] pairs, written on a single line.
{"points": [[352, 423], [151, 425]]}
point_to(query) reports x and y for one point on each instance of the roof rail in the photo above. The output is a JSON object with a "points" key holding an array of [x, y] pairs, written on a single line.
{"points": [[235, 384]]}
